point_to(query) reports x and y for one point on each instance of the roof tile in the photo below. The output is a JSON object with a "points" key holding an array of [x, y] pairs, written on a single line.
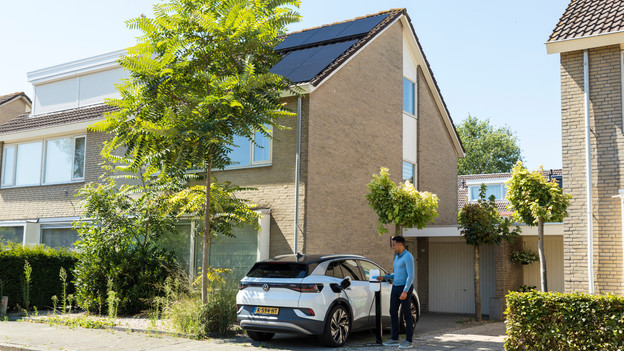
{"points": [[583, 18]]}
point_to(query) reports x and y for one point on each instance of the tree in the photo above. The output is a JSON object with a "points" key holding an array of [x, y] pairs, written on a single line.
{"points": [[535, 201], [481, 224], [199, 76], [401, 205], [488, 149]]}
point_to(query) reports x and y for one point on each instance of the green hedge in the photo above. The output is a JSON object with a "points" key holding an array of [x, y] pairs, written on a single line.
{"points": [[46, 264], [556, 321]]}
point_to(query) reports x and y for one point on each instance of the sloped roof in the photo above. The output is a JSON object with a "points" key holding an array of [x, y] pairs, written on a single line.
{"points": [[462, 186], [6, 98], [27, 122], [585, 18]]}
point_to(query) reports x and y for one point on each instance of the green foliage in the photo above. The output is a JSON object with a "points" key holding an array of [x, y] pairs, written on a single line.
{"points": [[112, 300], [482, 224], [488, 149], [400, 204], [119, 232], [523, 257], [45, 263], [563, 322], [532, 197], [27, 280], [63, 276]]}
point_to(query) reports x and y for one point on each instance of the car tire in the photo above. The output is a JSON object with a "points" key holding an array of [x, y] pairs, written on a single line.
{"points": [[414, 316], [260, 336], [337, 327]]}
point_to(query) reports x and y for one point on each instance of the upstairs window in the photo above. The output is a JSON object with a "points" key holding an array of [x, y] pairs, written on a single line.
{"points": [[42, 162], [499, 191], [409, 172], [251, 152], [409, 97]]}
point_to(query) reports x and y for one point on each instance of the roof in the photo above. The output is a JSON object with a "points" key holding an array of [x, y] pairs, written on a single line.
{"points": [[584, 18], [9, 97], [307, 259], [312, 54], [27, 122], [464, 181]]}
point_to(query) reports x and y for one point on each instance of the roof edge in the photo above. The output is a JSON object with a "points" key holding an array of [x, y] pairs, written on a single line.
{"points": [[586, 42]]}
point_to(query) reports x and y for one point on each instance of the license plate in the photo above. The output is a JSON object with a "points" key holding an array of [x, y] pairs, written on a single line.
{"points": [[266, 310]]}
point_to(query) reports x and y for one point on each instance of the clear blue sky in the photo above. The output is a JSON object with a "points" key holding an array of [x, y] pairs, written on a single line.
{"points": [[488, 56]]}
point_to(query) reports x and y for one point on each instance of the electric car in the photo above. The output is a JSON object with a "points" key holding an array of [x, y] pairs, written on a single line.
{"points": [[329, 296]]}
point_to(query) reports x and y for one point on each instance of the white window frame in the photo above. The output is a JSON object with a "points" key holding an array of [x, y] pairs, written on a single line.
{"points": [[16, 224], [414, 97], [252, 163], [42, 159], [477, 184]]}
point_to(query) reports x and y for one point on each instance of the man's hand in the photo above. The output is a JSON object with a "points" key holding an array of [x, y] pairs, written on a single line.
{"points": [[403, 295], [380, 278]]}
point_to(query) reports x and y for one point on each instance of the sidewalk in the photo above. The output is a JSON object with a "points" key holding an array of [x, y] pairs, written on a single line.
{"points": [[434, 332]]}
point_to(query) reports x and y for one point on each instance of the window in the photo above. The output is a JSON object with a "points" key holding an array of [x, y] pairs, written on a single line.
{"points": [[351, 269], [251, 152], [61, 159], [498, 190], [334, 270], [367, 266], [12, 234], [409, 171], [59, 237], [409, 101]]}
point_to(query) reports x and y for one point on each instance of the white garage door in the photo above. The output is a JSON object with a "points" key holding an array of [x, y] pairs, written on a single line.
{"points": [[451, 276]]}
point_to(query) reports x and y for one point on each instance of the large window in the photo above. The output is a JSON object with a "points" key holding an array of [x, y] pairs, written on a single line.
{"points": [[409, 96], [251, 152], [498, 190], [55, 237], [409, 172], [12, 234], [51, 161]]}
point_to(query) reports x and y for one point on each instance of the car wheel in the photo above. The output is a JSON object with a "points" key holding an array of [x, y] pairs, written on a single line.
{"points": [[260, 336], [414, 311], [337, 327]]}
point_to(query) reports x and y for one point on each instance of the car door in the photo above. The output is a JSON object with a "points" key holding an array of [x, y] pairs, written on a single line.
{"points": [[360, 296], [386, 287]]}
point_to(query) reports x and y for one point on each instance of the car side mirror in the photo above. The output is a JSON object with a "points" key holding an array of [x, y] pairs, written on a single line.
{"points": [[345, 283]]}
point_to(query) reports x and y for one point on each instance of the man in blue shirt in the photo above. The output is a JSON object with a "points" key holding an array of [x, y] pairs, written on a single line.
{"points": [[402, 288]]}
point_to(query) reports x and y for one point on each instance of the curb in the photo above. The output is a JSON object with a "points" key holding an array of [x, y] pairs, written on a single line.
{"points": [[16, 347]]}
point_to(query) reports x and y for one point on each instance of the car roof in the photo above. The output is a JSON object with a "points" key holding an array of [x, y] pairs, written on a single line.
{"points": [[307, 259]]}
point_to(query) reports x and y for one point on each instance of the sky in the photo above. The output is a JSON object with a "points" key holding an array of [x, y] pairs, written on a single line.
{"points": [[488, 57]]}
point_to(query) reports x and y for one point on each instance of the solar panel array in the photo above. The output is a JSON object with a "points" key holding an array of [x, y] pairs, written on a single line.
{"points": [[309, 52]]}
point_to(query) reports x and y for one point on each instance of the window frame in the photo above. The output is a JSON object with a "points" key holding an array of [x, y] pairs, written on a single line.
{"points": [[42, 161], [252, 152], [414, 102], [471, 185]]}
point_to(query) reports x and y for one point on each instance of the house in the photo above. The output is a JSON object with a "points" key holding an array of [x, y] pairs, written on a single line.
{"points": [[13, 105], [589, 39], [370, 100]]}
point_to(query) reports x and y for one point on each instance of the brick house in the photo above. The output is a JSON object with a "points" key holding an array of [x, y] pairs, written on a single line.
{"points": [[370, 101], [590, 41], [13, 105]]}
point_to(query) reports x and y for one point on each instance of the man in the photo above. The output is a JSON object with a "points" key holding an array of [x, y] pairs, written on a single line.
{"points": [[401, 291]]}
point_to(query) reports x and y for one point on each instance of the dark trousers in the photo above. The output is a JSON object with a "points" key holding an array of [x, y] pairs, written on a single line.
{"points": [[406, 304]]}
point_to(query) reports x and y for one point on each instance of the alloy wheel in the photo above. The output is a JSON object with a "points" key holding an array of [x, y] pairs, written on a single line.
{"points": [[339, 327]]}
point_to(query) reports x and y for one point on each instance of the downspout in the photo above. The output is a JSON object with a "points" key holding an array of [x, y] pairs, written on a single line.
{"points": [[588, 176], [297, 171]]}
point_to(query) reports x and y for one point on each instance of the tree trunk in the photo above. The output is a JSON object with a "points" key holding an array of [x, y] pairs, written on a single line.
{"points": [[397, 230], [207, 241], [478, 316], [542, 256]]}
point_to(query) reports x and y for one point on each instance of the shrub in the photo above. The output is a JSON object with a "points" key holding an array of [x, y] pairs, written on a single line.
{"points": [[45, 263], [556, 321]]}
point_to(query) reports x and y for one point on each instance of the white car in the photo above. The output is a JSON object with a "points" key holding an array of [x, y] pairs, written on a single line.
{"points": [[328, 296]]}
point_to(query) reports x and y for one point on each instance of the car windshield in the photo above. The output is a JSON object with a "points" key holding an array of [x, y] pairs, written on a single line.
{"points": [[278, 270]]}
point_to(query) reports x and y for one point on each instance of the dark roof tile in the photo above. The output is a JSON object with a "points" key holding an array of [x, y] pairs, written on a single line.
{"points": [[584, 18], [9, 97]]}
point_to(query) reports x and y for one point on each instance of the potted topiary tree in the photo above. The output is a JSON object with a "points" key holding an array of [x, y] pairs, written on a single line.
{"points": [[523, 257]]}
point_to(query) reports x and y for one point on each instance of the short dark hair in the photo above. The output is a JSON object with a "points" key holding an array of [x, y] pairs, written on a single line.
{"points": [[398, 239]]}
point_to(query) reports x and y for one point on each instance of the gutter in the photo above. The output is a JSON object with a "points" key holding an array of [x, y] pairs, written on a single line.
{"points": [[297, 171], [588, 175]]}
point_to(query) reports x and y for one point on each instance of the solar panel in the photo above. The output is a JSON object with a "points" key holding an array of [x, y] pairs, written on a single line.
{"points": [[305, 64], [329, 33]]}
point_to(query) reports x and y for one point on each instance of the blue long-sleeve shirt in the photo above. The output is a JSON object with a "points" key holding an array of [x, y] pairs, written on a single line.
{"points": [[403, 270]]}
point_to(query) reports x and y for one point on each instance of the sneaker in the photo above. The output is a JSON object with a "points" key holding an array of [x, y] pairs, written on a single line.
{"points": [[391, 342], [405, 344]]}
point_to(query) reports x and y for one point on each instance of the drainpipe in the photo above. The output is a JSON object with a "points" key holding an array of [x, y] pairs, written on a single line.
{"points": [[297, 171], [588, 176]]}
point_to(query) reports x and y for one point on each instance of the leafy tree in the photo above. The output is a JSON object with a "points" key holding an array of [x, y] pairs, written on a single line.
{"points": [[535, 201], [481, 224], [199, 75], [401, 205], [488, 149]]}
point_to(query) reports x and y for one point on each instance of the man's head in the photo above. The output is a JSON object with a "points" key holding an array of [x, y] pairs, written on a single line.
{"points": [[398, 244]]}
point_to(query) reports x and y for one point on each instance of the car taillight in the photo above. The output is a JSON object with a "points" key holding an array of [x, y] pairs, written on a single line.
{"points": [[242, 285], [306, 288], [307, 311]]}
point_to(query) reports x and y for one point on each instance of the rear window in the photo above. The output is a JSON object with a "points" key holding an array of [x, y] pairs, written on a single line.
{"points": [[278, 270]]}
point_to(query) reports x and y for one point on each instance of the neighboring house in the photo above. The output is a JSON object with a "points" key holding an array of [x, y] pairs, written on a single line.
{"points": [[370, 100], [13, 105], [590, 39]]}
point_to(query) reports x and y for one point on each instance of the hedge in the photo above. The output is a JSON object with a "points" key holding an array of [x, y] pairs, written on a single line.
{"points": [[556, 321], [45, 282]]}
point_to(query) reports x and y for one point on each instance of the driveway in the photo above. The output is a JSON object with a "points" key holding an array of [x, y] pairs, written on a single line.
{"points": [[433, 332]]}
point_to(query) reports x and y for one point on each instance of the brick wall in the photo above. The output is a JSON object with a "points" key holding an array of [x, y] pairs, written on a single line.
{"points": [[51, 201], [607, 144]]}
